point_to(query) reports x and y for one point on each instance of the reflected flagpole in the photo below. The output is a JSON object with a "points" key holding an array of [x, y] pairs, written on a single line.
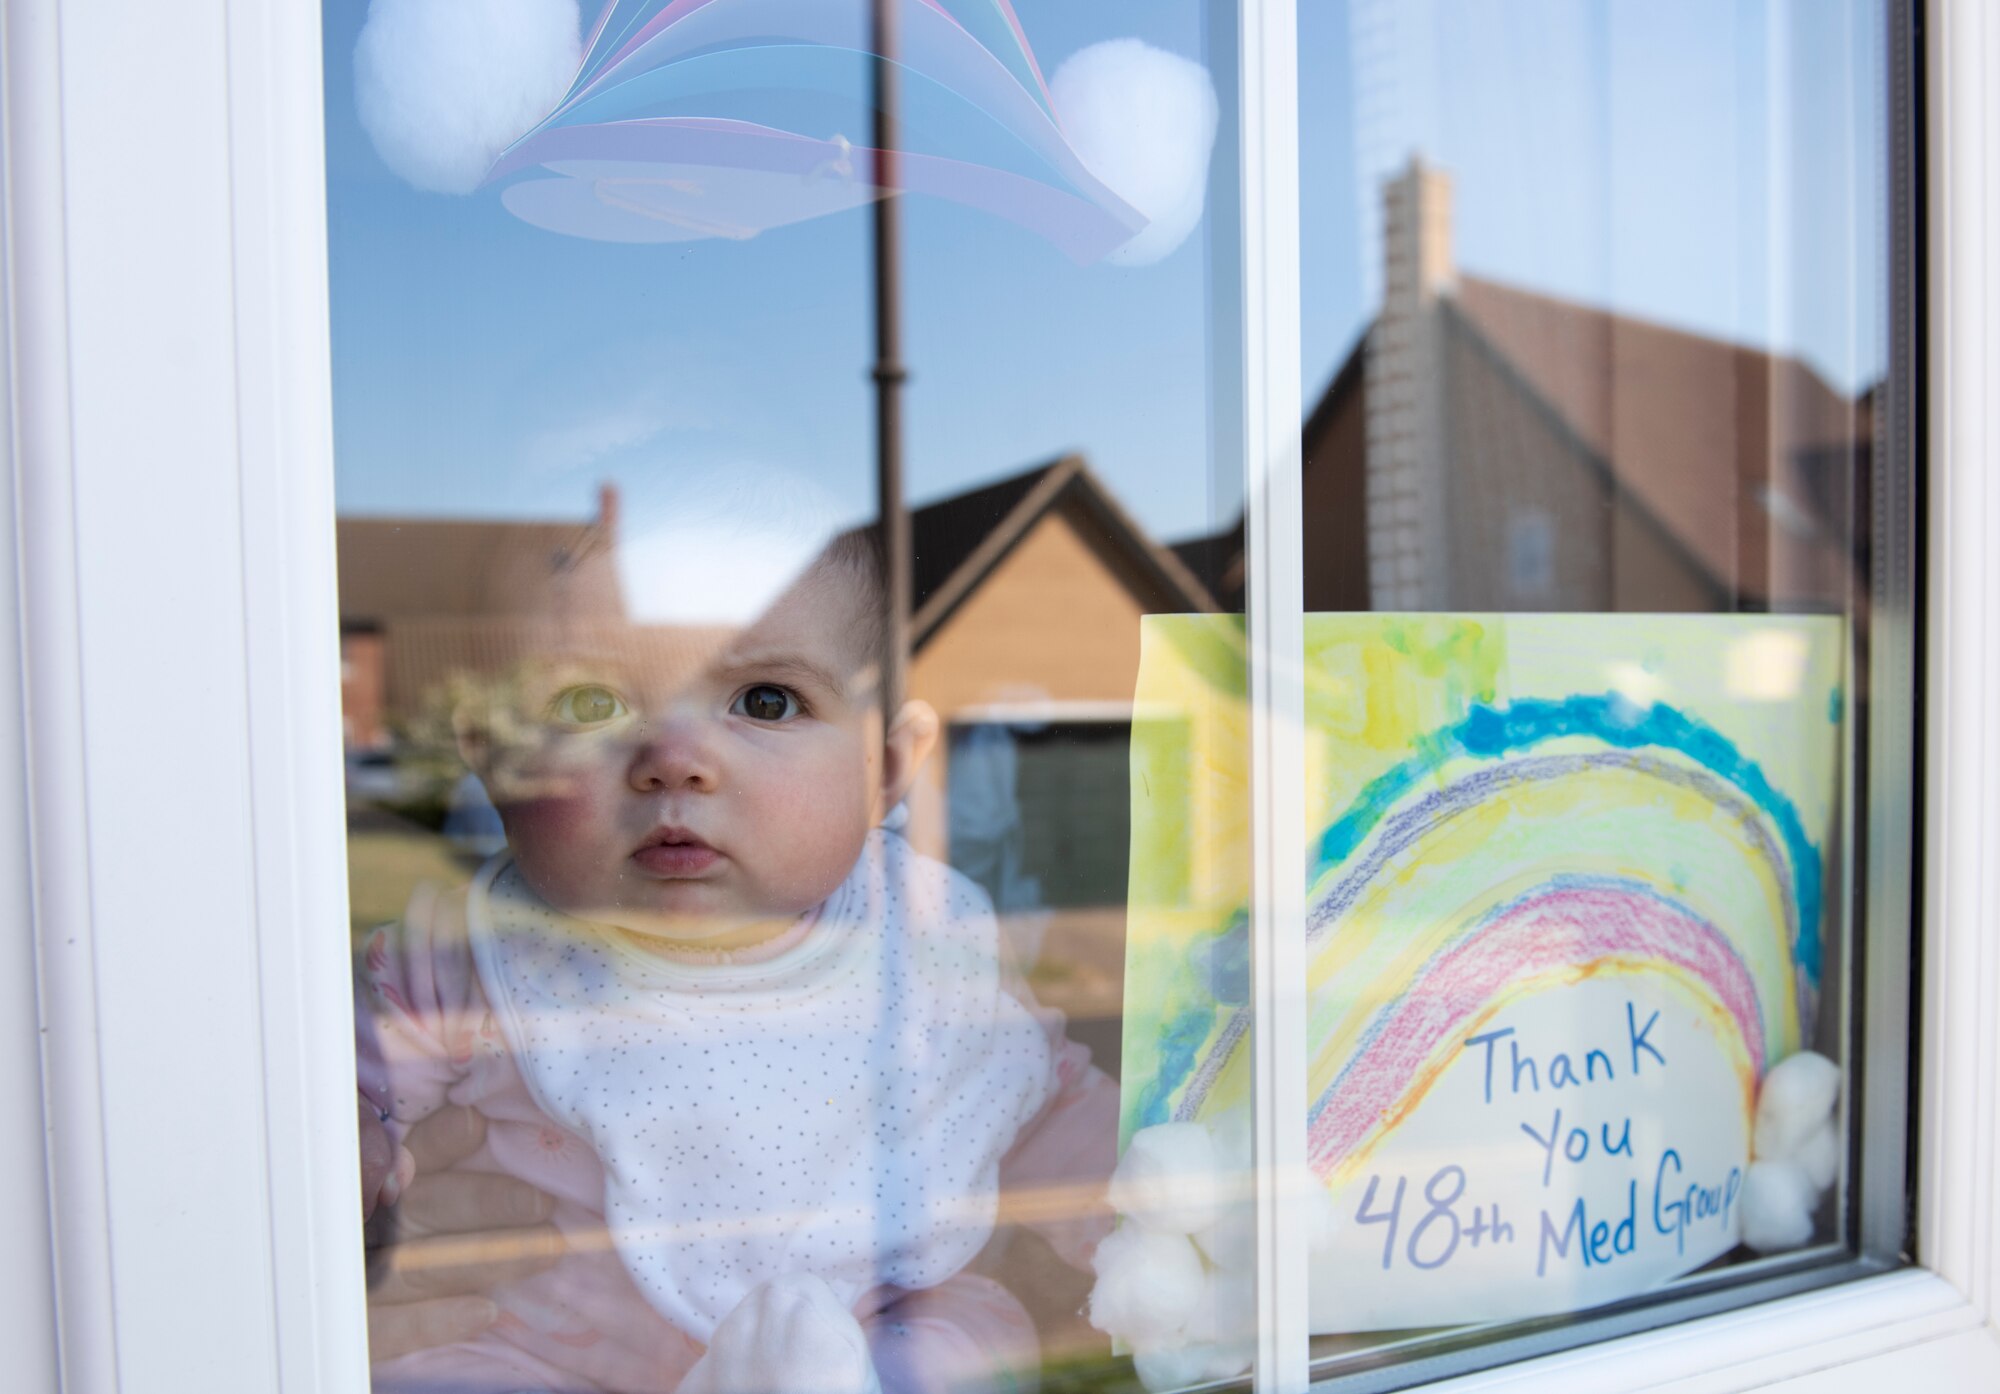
{"points": [[889, 372], [889, 375]]}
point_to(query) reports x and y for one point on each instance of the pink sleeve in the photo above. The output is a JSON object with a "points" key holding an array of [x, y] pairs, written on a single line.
{"points": [[420, 1016], [1053, 1179]]}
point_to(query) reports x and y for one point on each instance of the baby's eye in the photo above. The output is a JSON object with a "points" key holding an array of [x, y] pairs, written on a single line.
{"points": [[586, 706], [767, 702]]}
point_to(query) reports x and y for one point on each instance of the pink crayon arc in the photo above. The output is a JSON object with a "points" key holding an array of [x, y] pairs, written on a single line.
{"points": [[1563, 928]]}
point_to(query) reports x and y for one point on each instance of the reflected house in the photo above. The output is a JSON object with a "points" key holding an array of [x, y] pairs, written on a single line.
{"points": [[423, 599], [1026, 598], [1025, 636], [1486, 447]]}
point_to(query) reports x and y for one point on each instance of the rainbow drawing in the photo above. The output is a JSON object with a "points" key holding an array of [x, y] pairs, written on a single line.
{"points": [[1501, 805]]}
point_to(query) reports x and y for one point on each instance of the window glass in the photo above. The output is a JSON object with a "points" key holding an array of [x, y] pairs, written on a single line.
{"points": [[797, 690], [1596, 358], [748, 593]]}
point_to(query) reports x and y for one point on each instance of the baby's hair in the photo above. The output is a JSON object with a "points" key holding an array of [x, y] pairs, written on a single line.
{"points": [[855, 555]]}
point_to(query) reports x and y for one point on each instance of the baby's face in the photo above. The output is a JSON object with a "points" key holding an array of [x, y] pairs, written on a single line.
{"points": [[700, 786]]}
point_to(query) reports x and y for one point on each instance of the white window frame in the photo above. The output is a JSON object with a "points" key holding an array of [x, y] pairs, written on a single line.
{"points": [[178, 1076]]}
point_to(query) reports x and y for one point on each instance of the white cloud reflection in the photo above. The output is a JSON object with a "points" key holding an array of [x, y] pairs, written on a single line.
{"points": [[443, 86], [1142, 120], [717, 547]]}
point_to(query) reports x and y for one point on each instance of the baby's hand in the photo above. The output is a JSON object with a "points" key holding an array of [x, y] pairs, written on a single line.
{"points": [[386, 1169], [790, 1335], [423, 1291]]}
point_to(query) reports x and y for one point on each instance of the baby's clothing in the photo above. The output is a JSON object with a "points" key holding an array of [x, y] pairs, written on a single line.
{"points": [[849, 1108], [839, 1110]]}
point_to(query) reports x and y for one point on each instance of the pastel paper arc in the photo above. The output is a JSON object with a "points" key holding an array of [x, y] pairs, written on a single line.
{"points": [[759, 87]]}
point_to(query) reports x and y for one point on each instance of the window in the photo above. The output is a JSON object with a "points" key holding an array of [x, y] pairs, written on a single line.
{"points": [[1531, 562], [206, 581], [622, 556], [1598, 309]]}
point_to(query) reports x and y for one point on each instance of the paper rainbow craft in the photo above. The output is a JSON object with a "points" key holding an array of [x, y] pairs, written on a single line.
{"points": [[722, 118], [1533, 835]]}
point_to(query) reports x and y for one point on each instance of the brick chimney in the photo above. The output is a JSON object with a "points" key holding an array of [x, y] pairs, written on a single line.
{"points": [[607, 511], [1408, 553]]}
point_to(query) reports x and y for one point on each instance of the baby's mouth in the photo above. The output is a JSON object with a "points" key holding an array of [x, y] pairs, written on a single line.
{"points": [[673, 853]]}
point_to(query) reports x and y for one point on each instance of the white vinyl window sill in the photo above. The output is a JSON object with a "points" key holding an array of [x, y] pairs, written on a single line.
{"points": [[171, 707]]}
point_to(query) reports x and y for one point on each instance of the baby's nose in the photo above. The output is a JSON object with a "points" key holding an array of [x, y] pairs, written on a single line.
{"points": [[675, 753]]}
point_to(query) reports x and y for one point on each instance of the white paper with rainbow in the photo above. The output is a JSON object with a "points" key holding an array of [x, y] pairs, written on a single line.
{"points": [[1567, 906]]}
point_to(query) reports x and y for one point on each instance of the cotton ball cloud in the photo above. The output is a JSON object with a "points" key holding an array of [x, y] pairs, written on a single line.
{"points": [[1149, 1286], [1778, 1203], [1819, 1155], [443, 86], [1797, 1097], [1143, 121], [1167, 1179]]}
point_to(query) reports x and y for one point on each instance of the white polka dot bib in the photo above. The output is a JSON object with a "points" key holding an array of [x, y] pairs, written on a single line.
{"points": [[840, 1109]]}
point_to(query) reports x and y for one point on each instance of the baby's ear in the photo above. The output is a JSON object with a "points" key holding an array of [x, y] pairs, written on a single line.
{"points": [[912, 736]]}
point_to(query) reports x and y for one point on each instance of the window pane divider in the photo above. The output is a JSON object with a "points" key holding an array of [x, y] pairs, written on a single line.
{"points": [[1275, 592]]}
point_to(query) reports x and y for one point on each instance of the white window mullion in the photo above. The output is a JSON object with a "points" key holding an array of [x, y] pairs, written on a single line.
{"points": [[44, 824], [167, 312], [1958, 1230], [1274, 572], [291, 614]]}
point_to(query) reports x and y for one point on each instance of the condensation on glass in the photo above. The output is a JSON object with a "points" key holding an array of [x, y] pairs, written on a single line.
{"points": [[1598, 356], [725, 1023]]}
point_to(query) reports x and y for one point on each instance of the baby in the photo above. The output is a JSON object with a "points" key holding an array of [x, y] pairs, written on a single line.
{"points": [[730, 1021]]}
